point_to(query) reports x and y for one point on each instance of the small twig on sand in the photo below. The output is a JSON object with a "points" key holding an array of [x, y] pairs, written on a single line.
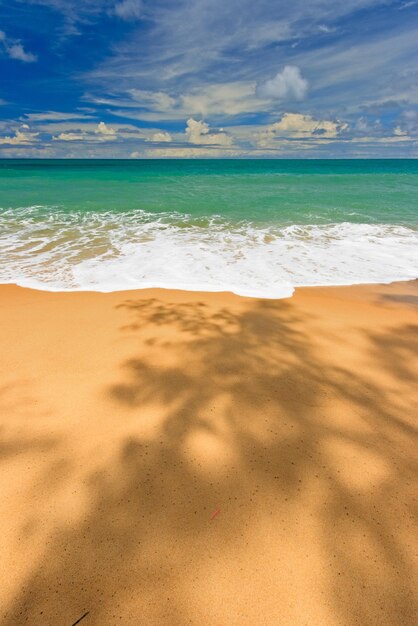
{"points": [[80, 618]]}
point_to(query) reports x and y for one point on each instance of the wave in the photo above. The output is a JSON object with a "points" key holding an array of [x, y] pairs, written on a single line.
{"points": [[52, 249]]}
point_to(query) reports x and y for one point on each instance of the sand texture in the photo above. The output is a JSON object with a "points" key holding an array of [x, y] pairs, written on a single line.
{"points": [[176, 458]]}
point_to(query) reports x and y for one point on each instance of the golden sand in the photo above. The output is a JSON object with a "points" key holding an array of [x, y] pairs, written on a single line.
{"points": [[176, 458]]}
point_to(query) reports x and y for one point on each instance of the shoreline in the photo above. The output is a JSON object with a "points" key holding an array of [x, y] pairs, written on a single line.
{"points": [[296, 289], [202, 457]]}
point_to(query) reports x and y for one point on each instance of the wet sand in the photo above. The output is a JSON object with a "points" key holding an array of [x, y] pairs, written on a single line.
{"points": [[179, 458]]}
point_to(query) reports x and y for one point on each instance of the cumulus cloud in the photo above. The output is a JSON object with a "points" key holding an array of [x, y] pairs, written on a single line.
{"points": [[21, 137], [197, 132], [107, 131], [161, 137], [101, 132], [399, 132], [15, 50], [298, 126], [128, 9], [287, 85]]}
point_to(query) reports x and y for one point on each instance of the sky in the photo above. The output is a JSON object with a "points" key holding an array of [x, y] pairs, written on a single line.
{"points": [[208, 78]]}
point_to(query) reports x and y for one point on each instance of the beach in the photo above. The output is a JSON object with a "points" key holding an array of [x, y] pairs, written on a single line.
{"points": [[208, 313], [173, 457]]}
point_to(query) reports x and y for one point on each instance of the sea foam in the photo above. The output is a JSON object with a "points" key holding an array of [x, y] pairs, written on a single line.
{"points": [[50, 249]]}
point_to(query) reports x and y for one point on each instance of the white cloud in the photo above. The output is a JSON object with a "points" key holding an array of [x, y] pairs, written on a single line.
{"points": [[409, 121], [15, 50], [158, 100], [298, 126], [19, 138], [395, 138], [179, 40], [101, 132], [215, 99], [362, 125], [189, 153], [161, 137], [53, 116], [198, 132], [221, 99], [285, 86], [407, 5], [152, 99], [323, 28], [70, 137], [372, 71], [128, 9], [399, 132], [107, 131]]}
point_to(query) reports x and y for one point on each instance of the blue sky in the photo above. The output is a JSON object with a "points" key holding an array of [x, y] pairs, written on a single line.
{"points": [[208, 78]]}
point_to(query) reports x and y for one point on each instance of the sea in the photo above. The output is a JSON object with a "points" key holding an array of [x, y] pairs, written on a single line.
{"points": [[258, 228]]}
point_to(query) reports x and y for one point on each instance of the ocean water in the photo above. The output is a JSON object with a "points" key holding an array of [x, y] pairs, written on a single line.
{"points": [[255, 227]]}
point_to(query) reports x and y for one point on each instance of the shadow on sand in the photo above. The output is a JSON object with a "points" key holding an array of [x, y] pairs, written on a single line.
{"points": [[252, 417]]}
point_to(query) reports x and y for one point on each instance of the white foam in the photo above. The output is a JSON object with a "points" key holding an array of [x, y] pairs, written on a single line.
{"points": [[57, 251]]}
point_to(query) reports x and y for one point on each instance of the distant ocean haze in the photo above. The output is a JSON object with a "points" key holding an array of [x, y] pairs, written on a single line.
{"points": [[254, 227]]}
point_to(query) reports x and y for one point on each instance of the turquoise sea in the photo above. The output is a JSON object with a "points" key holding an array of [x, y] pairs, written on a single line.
{"points": [[255, 227]]}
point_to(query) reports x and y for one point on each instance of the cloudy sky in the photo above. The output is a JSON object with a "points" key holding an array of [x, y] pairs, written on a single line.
{"points": [[208, 78]]}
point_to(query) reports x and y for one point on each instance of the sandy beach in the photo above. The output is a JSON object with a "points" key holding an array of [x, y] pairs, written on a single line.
{"points": [[176, 458]]}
